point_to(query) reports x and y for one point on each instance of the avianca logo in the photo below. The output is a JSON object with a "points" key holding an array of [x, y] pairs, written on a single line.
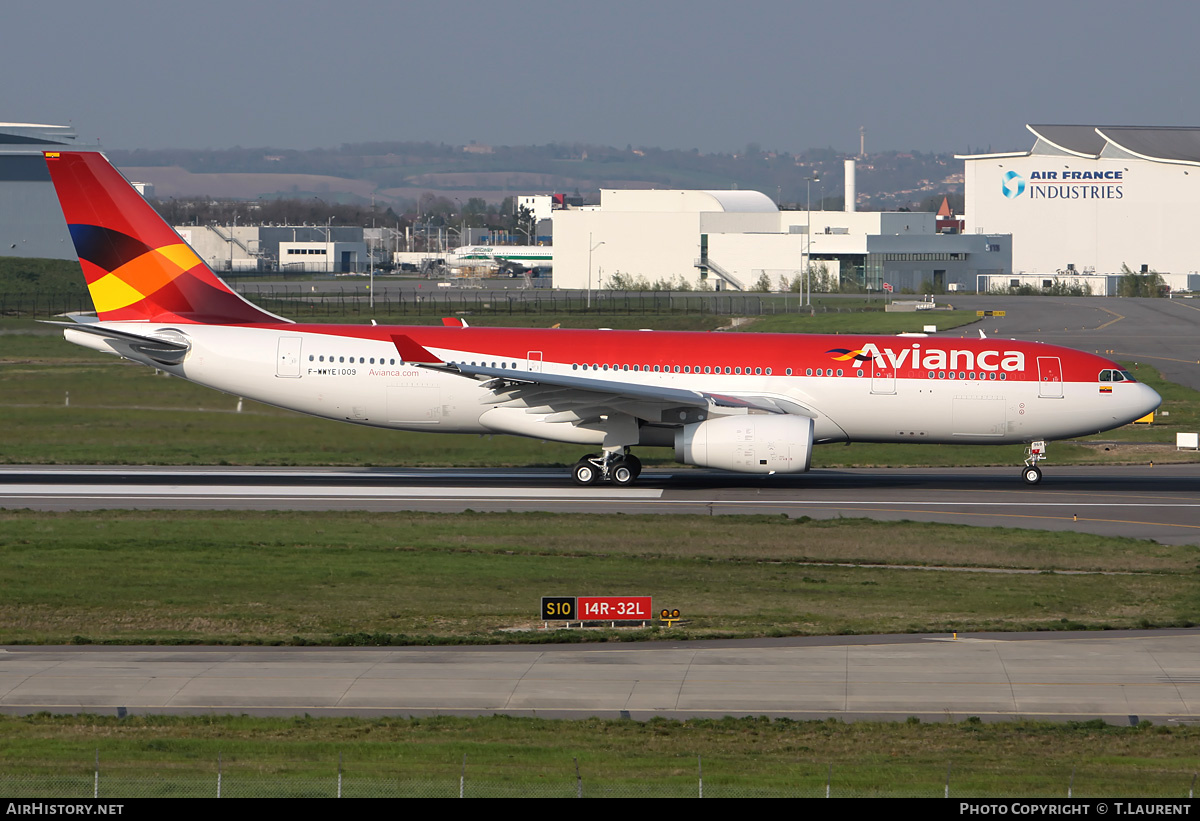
{"points": [[935, 359], [845, 354]]}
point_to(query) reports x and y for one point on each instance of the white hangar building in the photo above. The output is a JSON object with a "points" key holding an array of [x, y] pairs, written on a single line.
{"points": [[727, 240], [1093, 198]]}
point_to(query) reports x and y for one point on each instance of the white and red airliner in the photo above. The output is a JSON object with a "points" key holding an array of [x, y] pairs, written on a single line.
{"points": [[754, 403]]}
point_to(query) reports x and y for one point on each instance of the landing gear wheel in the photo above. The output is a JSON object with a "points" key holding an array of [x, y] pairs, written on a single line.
{"points": [[585, 473], [635, 464], [622, 473], [1032, 475]]}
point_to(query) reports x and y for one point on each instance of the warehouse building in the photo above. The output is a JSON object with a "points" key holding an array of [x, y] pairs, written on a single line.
{"points": [[735, 240], [1094, 200]]}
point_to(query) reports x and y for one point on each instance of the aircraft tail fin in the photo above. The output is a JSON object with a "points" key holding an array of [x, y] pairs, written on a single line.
{"points": [[137, 268]]}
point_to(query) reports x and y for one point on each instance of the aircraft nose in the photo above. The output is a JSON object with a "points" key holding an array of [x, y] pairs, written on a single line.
{"points": [[1145, 400]]}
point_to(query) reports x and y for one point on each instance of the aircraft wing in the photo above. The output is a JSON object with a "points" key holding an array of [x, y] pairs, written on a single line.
{"points": [[572, 393]]}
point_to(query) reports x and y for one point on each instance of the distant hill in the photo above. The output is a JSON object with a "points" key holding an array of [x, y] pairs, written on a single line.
{"points": [[399, 173]]}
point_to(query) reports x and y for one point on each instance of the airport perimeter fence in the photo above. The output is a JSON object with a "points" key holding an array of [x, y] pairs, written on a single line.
{"points": [[703, 781], [356, 304]]}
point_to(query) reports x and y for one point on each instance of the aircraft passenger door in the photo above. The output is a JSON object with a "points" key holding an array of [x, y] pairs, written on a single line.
{"points": [[287, 358], [534, 359], [1050, 377], [883, 375]]}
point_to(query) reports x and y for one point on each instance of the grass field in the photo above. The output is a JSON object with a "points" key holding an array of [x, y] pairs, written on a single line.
{"points": [[517, 757], [398, 578]]}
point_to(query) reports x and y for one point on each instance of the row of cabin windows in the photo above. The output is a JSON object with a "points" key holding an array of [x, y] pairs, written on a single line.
{"points": [[675, 369], [362, 360], [1105, 376], [767, 371], [968, 375]]}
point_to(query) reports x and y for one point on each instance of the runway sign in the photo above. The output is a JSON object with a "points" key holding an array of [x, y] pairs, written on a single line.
{"points": [[615, 608], [558, 608]]}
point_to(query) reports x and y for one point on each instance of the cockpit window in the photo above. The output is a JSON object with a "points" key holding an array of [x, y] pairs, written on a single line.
{"points": [[1113, 375]]}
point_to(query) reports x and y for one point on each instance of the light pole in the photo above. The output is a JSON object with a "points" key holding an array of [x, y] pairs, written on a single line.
{"points": [[590, 249], [808, 239], [328, 231], [328, 241]]}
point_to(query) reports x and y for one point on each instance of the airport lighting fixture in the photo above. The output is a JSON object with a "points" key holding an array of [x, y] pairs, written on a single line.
{"points": [[590, 249]]}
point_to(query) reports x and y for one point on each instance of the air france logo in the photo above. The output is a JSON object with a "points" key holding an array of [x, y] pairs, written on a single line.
{"points": [[1013, 185]]}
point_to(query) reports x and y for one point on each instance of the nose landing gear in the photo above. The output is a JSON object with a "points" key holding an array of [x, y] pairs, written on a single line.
{"points": [[618, 466], [1035, 453]]}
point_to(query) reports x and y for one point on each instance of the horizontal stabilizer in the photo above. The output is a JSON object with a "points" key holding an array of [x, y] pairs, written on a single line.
{"points": [[162, 350]]}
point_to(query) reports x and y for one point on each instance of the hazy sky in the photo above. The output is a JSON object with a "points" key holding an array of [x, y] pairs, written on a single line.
{"points": [[932, 76]]}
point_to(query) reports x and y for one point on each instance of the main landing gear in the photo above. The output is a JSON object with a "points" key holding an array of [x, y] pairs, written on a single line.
{"points": [[619, 467], [1035, 453]]}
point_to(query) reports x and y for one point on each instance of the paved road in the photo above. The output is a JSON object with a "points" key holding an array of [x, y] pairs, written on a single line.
{"points": [[1121, 677]]}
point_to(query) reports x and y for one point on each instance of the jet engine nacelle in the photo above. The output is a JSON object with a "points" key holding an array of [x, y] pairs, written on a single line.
{"points": [[749, 444]]}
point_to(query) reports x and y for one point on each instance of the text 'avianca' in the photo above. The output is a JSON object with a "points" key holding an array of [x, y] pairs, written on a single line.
{"points": [[934, 359]]}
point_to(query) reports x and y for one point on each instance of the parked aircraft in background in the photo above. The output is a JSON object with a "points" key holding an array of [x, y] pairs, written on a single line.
{"points": [[514, 259], [755, 403], [530, 256]]}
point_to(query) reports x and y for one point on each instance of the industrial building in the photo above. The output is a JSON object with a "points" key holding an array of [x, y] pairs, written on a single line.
{"points": [[287, 248], [1094, 200], [731, 240]]}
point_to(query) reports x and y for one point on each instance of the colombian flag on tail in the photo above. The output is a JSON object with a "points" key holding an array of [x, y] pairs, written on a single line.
{"points": [[136, 266]]}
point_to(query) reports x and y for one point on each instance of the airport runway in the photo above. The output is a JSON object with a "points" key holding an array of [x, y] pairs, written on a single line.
{"points": [[1121, 677], [1161, 503]]}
